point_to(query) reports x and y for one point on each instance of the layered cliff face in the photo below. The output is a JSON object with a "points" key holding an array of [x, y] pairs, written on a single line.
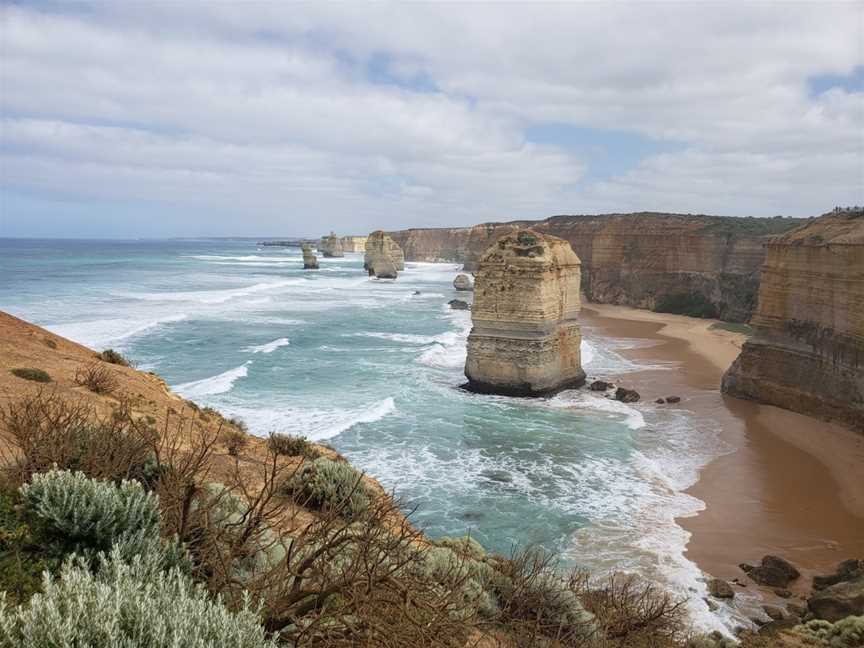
{"points": [[698, 265], [354, 243], [383, 258], [525, 339], [331, 246], [807, 353]]}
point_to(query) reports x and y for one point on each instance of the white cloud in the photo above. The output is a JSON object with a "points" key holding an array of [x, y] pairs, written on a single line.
{"points": [[266, 109]]}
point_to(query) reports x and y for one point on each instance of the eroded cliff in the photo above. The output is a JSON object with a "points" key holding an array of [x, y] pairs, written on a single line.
{"points": [[698, 265], [807, 353]]}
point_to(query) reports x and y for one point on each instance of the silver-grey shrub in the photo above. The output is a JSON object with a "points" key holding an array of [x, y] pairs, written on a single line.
{"points": [[88, 515], [326, 484], [127, 605]]}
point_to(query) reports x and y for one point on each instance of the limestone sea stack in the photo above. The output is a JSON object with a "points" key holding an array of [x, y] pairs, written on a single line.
{"points": [[807, 352], [463, 282], [525, 339], [383, 257], [310, 261], [331, 246]]}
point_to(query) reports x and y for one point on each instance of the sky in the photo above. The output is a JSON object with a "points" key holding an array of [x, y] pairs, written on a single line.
{"points": [[169, 118]]}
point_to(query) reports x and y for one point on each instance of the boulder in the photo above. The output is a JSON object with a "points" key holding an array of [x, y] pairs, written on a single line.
{"points": [[772, 571], [600, 385], [463, 282], [310, 261], [525, 339], [458, 304], [660, 401], [719, 588], [838, 601], [776, 613], [673, 399], [846, 570], [627, 395]]}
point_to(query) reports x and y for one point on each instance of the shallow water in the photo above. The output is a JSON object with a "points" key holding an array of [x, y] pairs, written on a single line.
{"points": [[374, 368]]}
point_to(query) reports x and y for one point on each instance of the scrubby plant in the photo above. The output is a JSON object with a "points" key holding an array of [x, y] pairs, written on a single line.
{"points": [[466, 546], [128, 605], [292, 446], [47, 430], [239, 423], [330, 485], [846, 633], [97, 378], [87, 515], [234, 440], [113, 357], [28, 373]]}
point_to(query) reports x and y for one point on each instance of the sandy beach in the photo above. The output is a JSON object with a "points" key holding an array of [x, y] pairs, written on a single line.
{"points": [[791, 486]]}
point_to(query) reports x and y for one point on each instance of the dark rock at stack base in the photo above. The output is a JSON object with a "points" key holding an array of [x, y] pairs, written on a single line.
{"points": [[458, 304], [599, 385], [718, 588], [773, 571], [673, 399], [627, 395], [846, 570], [838, 601], [462, 282], [660, 401]]}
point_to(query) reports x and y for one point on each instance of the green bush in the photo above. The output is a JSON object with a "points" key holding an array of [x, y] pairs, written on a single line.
{"points": [[292, 446], [846, 633], [87, 515], [114, 357], [127, 605], [326, 484], [691, 304], [36, 375]]}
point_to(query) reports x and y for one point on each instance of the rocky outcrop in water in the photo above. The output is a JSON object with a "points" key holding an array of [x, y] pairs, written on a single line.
{"points": [[463, 282], [698, 265], [383, 257], [807, 351], [354, 243], [331, 246], [525, 338], [310, 261]]}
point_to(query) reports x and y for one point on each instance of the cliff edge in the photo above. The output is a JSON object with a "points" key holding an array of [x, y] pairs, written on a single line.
{"points": [[807, 353]]}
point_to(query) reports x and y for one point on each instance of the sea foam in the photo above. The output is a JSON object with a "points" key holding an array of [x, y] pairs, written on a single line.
{"points": [[270, 347], [218, 384]]}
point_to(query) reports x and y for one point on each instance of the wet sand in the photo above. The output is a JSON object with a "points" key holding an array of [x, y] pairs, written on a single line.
{"points": [[793, 486]]}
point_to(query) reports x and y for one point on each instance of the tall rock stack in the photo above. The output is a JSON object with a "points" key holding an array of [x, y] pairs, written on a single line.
{"points": [[807, 352], [525, 339], [331, 246], [310, 261], [383, 257]]}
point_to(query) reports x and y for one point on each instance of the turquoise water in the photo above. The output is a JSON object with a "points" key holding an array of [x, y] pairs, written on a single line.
{"points": [[373, 368]]}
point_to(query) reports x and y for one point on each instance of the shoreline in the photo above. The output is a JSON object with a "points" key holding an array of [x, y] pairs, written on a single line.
{"points": [[788, 485]]}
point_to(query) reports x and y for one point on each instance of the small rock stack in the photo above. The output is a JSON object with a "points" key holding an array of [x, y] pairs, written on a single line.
{"points": [[331, 246], [525, 339], [310, 261], [384, 258], [463, 282]]}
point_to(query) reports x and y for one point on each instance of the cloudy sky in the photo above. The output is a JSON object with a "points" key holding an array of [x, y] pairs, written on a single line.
{"points": [[273, 118]]}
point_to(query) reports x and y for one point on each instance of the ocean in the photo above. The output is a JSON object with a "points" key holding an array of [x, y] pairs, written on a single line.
{"points": [[373, 368]]}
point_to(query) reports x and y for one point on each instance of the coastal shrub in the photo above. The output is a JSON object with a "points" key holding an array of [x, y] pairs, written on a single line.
{"points": [[465, 546], [22, 553], [96, 378], [690, 304], [50, 431], [325, 484], [292, 446], [87, 515], [36, 375], [239, 423], [846, 633], [113, 357], [234, 441], [128, 605]]}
